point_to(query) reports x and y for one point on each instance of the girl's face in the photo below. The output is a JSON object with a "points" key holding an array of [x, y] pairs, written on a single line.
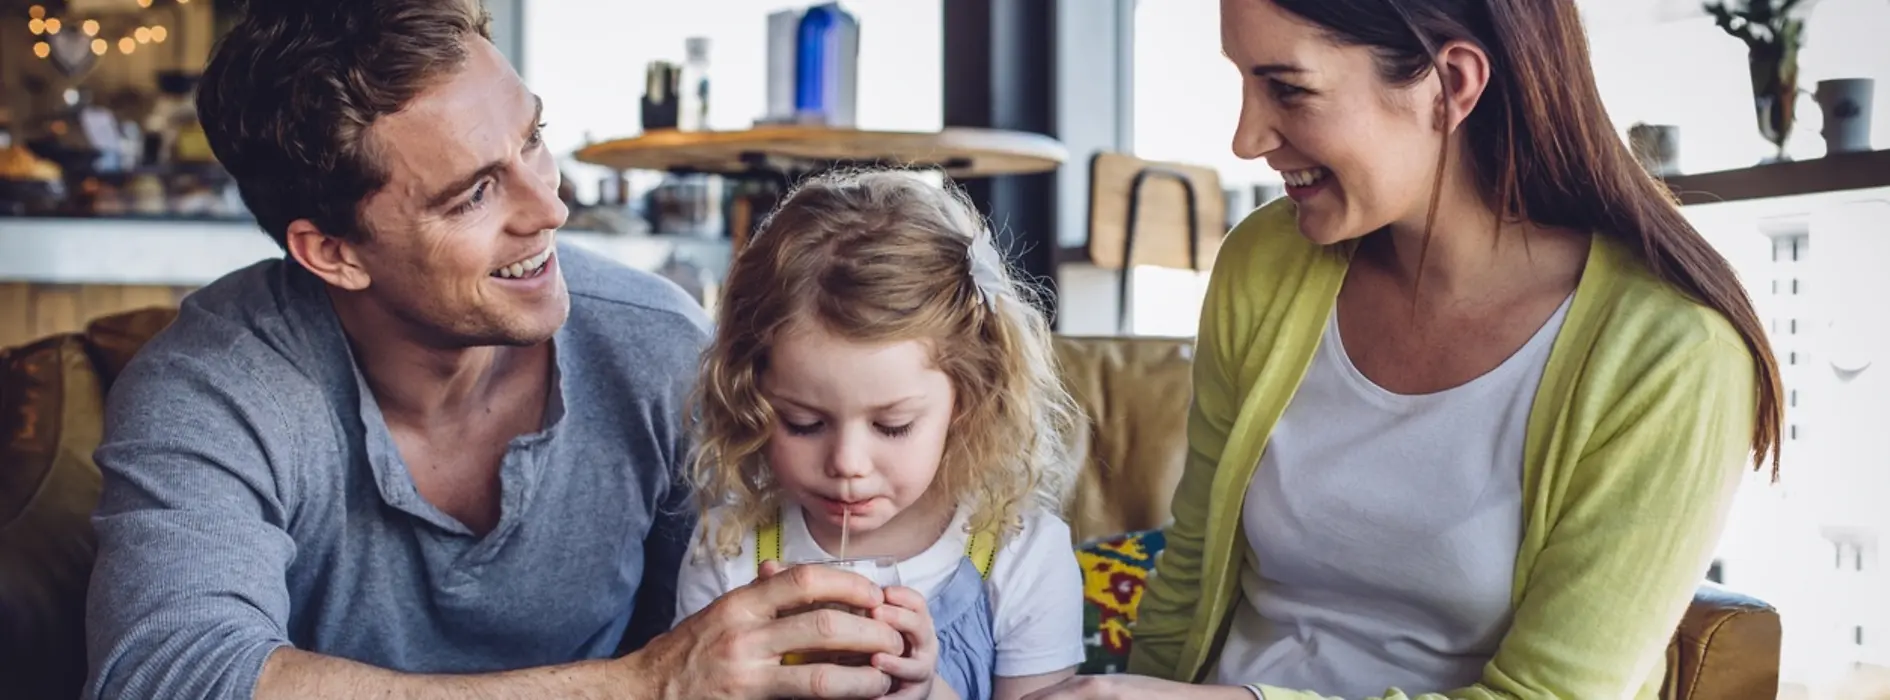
{"points": [[861, 428]]}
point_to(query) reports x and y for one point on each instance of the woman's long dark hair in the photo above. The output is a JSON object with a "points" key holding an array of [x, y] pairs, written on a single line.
{"points": [[1541, 142]]}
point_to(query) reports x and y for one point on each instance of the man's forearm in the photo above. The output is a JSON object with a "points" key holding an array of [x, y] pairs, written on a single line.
{"points": [[294, 674]]}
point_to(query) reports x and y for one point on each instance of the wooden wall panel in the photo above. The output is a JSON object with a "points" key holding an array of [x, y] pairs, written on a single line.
{"points": [[29, 311], [55, 310], [16, 313]]}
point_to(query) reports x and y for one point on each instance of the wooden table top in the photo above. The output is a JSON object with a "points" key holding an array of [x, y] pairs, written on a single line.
{"points": [[961, 152]]}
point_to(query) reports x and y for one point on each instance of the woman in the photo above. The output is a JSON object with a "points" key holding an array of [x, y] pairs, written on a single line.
{"points": [[1471, 407]]}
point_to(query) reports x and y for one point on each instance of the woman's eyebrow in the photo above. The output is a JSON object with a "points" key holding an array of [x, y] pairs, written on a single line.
{"points": [[1271, 69], [1266, 69]]}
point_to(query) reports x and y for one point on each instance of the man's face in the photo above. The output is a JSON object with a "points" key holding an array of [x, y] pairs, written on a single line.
{"points": [[459, 242]]}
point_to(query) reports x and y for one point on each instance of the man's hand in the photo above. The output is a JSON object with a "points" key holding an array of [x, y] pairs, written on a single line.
{"points": [[733, 648], [913, 672]]}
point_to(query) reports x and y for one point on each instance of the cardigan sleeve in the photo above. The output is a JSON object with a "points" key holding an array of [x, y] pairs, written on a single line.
{"points": [[1645, 504], [1166, 612]]}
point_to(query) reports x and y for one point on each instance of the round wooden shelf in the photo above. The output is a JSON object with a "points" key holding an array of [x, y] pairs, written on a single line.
{"points": [[961, 152]]}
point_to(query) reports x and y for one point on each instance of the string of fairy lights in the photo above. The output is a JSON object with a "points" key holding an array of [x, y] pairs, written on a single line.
{"points": [[48, 27]]}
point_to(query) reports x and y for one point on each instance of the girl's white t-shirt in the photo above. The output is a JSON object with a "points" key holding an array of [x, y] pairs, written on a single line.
{"points": [[1036, 586]]}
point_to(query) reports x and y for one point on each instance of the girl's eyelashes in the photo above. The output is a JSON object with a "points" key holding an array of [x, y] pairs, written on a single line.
{"points": [[805, 429]]}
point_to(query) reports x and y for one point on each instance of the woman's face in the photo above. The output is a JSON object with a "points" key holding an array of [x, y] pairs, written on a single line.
{"points": [[1357, 153]]}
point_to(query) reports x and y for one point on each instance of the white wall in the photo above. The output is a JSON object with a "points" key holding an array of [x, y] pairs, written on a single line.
{"points": [[1689, 73]]}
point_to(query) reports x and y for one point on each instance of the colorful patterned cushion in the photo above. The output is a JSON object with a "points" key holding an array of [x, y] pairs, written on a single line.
{"points": [[1114, 570]]}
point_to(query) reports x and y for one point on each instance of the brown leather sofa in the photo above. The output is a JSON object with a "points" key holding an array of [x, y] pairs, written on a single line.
{"points": [[1135, 391], [51, 415]]}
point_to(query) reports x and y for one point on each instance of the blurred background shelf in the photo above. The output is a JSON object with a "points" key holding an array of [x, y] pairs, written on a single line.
{"points": [[56, 273], [961, 152], [184, 253], [1832, 173]]}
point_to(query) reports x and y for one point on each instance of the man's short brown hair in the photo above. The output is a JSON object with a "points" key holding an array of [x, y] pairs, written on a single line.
{"points": [[290, 92]]}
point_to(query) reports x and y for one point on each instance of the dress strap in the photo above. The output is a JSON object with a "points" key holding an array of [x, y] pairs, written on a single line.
{"points": [[767, 542], [982, 550]]}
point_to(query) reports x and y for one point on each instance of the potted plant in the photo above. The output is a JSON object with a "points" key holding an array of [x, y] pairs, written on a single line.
{"points": [[1773, 31]]}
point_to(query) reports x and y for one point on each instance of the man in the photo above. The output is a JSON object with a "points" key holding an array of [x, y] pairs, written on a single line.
{"points": [[433, 453]]}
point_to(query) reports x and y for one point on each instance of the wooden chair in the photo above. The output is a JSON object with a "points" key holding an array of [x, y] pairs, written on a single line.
{"points": [[1154, 213]]}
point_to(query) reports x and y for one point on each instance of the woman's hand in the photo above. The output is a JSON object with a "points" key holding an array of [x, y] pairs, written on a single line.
{"points": [[912, 673], [1127, 687]]}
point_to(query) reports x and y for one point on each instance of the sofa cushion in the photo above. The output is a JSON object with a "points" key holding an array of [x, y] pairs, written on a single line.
{"points": [[1114, 572], [113, 340], [1135, 394], [51, 416]]}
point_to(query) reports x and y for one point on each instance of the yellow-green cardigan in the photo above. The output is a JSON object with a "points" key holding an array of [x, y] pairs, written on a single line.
{"points": [[1637, 440]]}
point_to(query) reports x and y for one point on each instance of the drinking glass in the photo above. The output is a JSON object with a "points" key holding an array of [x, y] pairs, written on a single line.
{"points": [[882, 571]]}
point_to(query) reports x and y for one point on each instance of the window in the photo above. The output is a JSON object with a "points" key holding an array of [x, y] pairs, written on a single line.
{"points": [[587, 59], [1187, 95]]}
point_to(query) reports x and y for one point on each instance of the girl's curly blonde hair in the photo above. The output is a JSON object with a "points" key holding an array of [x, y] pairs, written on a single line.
{"points": [[885, 256]]}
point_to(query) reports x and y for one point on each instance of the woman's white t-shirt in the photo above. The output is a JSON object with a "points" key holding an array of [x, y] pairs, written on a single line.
{"points": [[1036, 586], [1383, 530]]}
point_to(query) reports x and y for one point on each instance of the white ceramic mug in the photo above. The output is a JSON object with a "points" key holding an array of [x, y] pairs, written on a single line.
{"points": [[1846, 106]]}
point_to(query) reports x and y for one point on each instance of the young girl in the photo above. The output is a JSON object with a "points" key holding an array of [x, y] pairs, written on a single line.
{"points": [[875, 369]]}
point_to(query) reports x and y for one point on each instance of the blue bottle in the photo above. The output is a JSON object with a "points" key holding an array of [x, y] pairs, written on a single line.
{"points": [[826, 65]]}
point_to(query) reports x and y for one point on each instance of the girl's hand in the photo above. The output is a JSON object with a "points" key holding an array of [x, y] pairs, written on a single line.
{"points": [[912, 674]]}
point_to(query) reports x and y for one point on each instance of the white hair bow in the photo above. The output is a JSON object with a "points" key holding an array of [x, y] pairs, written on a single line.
{"points": [[987, 268]]}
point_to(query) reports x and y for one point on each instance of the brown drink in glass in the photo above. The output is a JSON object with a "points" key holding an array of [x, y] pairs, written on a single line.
{"points": [[879, 570]]}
